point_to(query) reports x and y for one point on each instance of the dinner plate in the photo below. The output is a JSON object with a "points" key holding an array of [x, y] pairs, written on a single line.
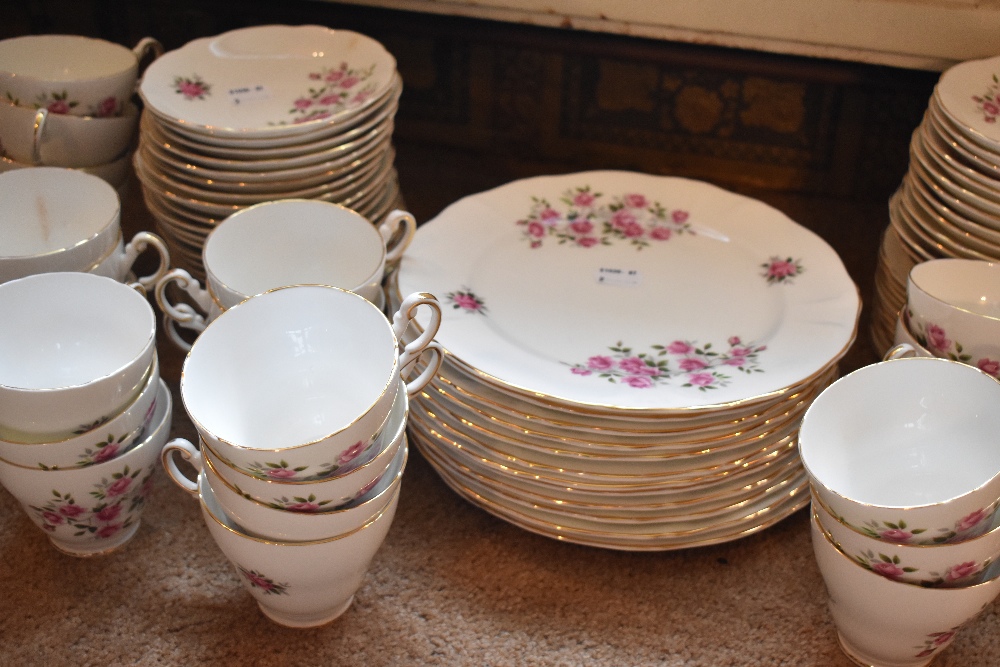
{"points": [[631, 292], [969, 93]]}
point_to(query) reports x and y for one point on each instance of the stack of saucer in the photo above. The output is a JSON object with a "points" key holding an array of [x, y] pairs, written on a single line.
{"points": [[628, 356], [948, 204], [265, 113]]}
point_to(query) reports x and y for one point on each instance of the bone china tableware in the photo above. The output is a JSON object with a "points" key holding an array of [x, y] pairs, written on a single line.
{"points": [[904, 450], [588, 391], [302, 373], [95, 509], [75, 349]]}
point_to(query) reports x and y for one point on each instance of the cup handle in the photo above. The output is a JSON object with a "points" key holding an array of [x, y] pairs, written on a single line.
{"points": [[388, 229], [182, 314], [38, 130], [430, 370], [190, 454], [139, 243], [401, 320], [138, 288], [899, 352]]}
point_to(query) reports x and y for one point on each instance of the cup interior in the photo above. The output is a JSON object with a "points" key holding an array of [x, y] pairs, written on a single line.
{"points": [[289, 367], [293, 242], [966, 284], [63, 330], [64, 58], [904, 433]]}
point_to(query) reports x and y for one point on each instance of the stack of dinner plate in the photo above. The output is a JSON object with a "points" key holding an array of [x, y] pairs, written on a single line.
{"points": [[265, 113], [627, 356], [948, 204]]}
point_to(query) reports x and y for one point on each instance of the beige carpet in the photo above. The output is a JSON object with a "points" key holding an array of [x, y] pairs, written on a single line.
{"points": [[452, 585]]}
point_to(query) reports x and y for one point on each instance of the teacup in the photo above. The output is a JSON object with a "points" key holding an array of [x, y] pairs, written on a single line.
{"points": [[55, 220], [303, 374], [287, 242], [39, 137], [118, 263], [953, 309], [115, 173], [885, 622], [295, 519], [935, 566], [70, 74], [905, 450], [93, 510], [95, 443], [75, 350], [904, 336], [298, 584]]}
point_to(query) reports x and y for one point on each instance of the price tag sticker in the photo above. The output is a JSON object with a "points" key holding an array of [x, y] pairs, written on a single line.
{"points": [[243, 94], [620, 277]]}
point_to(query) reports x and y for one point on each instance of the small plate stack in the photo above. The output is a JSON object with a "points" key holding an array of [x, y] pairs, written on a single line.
{"points": [[628, 356], [265, 113], [948, 204]]}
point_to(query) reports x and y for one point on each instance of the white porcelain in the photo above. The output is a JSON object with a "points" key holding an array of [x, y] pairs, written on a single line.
{"points": [[903, 336], [905, 449], [302, 373], [55, 220], [114, 173], [75, 348], [953, 309], [119, 262], [93, 510], [944, 565], [70, 74], [44, 138], [969, 93], [98, 442], [289, 80], [298, 584], [584, 320], [885, 623]]}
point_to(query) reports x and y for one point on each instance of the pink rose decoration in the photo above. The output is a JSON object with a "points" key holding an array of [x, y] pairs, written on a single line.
{"points": [[895, 535], [701, 379], [734, 340], [736, 361], [109, 530], [58, 106], [71, 511], [549, 216], [638, 381], [109, 513], [302, 103], [108, 107], [334, 76], [257, 580], [279, 473], [944, 638], [781, 268], [368, 487], [360, 97], [351, 453], [936, 338], [583, 199], [315, 76], [636, 366], [888, 570], [633, 230], [970, 521], [52, 518], [635, 201], [679, 347], [660, 233], [623, 218], [680, 217], [536, 229], [576, 370], [600, 363], [466, 301], [961, 571], [105, 453], [190, 89], [328, 100], [991, 108], [989, 366], [119, 486], [582, 226], [587, 241], [349, 82], [691, 364], [302, 507]]}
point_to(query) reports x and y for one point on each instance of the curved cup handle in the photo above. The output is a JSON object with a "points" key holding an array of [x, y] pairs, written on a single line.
{"points": [[388, 229], [139, 243], [900, 351], [401, 320], [145, 46], [138, 288], [190, 454], [430, 370], [38, 130]]}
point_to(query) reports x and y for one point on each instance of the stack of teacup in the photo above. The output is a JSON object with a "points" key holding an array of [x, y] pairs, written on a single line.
{"points": [[300, 398], [66, 102], [83, 412], [905, 480], [281, 243], [952, 311], [57, 219]]}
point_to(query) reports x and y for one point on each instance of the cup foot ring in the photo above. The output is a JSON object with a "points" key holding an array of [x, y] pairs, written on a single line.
{"points": [[312, 621]]}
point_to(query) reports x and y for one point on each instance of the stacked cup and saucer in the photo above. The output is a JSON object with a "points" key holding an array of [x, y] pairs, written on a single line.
{"points": [[300, 398]]}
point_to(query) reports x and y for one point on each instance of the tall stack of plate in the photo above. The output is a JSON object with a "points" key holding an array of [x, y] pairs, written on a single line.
{"points": [[265, 113], [948, 204], [628, 356]]}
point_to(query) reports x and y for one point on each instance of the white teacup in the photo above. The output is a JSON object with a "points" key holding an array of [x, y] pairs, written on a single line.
{"points": [[298, 584], [55, 220], [885, 622], [287, 242], [115, 173], [905, 450], [303, 374], [93, 510], [953, 309], [75, 349], [70, 74]]}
